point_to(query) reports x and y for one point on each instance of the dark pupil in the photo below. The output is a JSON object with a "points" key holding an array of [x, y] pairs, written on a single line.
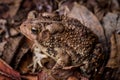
{"points": [[34, 31]]}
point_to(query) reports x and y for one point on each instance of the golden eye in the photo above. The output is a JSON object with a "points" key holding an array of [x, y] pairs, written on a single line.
{"points": [[35, 30]]}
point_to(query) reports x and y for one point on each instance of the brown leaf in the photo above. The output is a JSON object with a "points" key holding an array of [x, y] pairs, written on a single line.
{"points": [[28, 4], [25, 61], [114, 60], [29, 77], [45, 75], [3, 26], [10, 48], [2, 77], [111, 24], [6, 1], [45, 5], [23, 49], [4, 10], [2, 44], [13, 32], [7, 71], [24, 56], [110, 74], [75, 78], [72, 78], [14, 7]]}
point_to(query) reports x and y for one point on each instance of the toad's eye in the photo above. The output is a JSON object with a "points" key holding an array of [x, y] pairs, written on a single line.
{"points": [[35, 30]]}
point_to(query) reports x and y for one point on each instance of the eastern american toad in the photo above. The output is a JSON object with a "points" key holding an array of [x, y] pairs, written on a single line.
{"points": [[65, 40]]}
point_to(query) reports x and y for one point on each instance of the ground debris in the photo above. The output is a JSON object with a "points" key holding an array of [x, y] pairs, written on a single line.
{"points": [[10, 48], [101, 16]]}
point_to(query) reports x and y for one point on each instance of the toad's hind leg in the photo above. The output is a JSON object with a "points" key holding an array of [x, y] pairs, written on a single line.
{"points": [[63, 59], [57, 71]]}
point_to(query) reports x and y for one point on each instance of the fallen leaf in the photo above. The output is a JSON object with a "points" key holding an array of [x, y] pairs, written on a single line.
{"points": [[111, 24], [14, 7], [110, 74], [72, 78], [25, 61], [7, 71], [23, 49], [10, 48], [2, 77], [4, 10], [45, 75], [114, 60], [6, 1], [29, 77], [13, 32], [2, 44]]}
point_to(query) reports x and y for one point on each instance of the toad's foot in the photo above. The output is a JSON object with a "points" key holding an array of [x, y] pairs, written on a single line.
{"points": [[38, 56], [37, 61]]}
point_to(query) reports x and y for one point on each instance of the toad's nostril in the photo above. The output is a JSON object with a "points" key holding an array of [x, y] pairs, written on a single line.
{"points": [[24, 25]]}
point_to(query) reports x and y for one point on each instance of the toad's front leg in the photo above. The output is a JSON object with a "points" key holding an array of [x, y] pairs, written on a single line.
{"points": [[37, 57]]}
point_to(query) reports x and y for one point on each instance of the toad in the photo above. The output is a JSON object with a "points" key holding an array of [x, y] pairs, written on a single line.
{"points": [[68, 42]]}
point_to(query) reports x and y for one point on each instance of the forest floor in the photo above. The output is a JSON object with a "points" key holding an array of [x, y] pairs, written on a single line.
{"points": [[101, 16]]}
